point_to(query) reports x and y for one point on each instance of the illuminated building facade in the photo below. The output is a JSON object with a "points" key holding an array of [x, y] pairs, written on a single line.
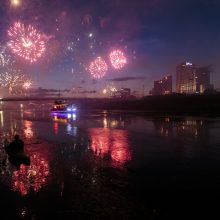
{"points": [[163, 86], [191, 79]]}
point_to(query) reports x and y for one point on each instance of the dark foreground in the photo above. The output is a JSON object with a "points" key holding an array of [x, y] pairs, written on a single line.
{"points": [[107, 165]]}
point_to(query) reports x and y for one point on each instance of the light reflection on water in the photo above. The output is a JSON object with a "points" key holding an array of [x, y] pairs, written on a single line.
{"points": [[33, 176], [113, 143], [92, 152]]}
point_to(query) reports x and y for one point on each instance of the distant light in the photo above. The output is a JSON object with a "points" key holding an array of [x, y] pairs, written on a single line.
{"points": [[74, 116], [188, 64], [71, 109], [15, 2], [90, 35]]}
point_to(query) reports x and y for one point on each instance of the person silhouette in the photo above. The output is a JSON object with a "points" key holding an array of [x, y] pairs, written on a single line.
{"points": [[15, 151], [15, 147]]}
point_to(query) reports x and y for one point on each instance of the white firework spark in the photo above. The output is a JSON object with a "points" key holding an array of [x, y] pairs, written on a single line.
{"points": [[5, 59], [11, 79]]}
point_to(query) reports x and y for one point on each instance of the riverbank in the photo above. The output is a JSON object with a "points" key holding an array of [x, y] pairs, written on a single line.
{"points": [[171, 104], [175, 104]]}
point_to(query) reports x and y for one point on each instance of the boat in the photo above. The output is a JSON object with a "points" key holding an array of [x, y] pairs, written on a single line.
{"points": [[63, 117], [61, 106]]}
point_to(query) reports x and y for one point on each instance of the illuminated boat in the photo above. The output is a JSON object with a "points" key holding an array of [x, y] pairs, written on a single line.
{"points": [[60, 106], [63, 117]]}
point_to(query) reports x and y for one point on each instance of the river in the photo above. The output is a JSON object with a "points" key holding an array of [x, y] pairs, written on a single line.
{"points": [[107, 164]]}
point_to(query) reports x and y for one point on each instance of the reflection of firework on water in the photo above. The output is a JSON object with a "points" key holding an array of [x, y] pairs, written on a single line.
{"points": [[26, 42], [33, 176], [111, 143], [98, 68], [28, 131], [117, 59]]}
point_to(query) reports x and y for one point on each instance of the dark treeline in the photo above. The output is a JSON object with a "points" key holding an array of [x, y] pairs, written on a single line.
{"points": [[171, 104]]}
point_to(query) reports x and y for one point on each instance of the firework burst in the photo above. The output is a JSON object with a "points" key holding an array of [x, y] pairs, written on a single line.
{"points": [[98, 68], [26, 42], [5, 59], [27, 84], [110, 89], [11, 79], [117, 59]]}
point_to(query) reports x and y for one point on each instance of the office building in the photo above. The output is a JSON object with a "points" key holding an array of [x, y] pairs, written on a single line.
{"points": [[191, 79], [163, 86]]}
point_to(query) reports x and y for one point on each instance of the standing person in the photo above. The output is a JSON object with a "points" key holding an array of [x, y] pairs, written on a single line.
{"points": [[15, 147], [16, 153]]}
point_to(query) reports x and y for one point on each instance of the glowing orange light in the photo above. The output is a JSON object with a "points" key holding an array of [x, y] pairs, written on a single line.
{"points": [[114, 143], [28, 129], [15, 3]]}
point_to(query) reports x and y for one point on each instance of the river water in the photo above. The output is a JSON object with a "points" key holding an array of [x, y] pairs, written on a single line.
{"points": [[108, 164]]}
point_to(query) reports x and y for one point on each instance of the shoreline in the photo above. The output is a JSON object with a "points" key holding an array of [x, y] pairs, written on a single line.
{"points": [[175, 104]]}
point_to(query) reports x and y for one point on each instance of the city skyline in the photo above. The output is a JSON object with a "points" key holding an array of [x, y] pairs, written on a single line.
{"points": [[154, 36]]}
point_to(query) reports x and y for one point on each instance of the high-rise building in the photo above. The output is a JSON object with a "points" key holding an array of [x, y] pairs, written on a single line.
{"points": [[203, 79], [163, 86], [191, 79]]}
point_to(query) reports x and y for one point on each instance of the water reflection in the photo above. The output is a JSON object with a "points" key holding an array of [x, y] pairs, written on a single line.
{"points": [[181, 127], [28, 132], [108, 143], [2, 119], [33, 176], [113, 122], [65, 118]]}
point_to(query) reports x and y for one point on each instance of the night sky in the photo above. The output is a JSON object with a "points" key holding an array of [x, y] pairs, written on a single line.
{"points": [[154, 35]]}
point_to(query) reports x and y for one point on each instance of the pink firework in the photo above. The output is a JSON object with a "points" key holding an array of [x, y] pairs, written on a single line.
{"points": [[117, 59], [26, 42], [98, 68]]}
